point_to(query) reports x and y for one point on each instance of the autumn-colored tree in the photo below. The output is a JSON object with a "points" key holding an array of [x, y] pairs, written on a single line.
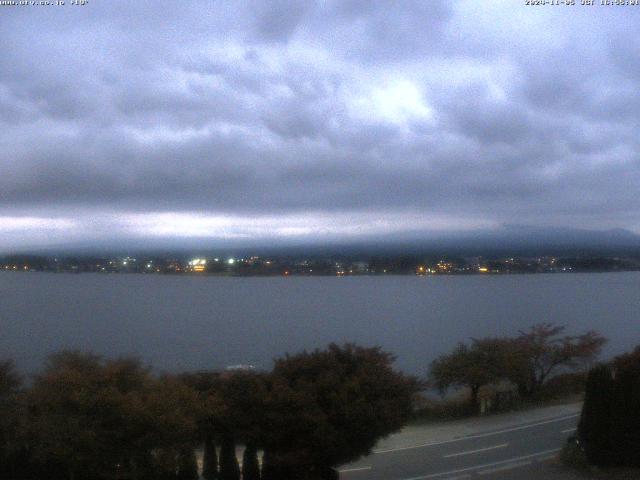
{"points": [[528, 360], [91, 418], [171, 422], [206, 384], [328, 407], [483, 362], [62, 425], [240, 419], [543, 350], [241, 414], [233, 406]]}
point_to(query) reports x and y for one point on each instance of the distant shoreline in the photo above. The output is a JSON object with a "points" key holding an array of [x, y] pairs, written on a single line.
{"points": [[319, 275]]}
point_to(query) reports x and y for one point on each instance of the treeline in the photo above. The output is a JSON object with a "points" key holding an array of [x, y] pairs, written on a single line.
{"points": [[528, 361], [609, 428], [86, 417]]}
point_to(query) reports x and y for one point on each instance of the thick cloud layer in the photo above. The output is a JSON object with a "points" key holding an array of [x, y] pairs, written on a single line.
{"points": [[315, 119]]}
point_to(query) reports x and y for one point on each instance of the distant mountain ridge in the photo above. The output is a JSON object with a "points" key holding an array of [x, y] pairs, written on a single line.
{"points": [[509, 239], [584, 234], [533, 240]]}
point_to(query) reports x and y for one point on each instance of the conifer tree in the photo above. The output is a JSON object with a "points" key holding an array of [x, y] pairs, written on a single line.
{"points": [[610, 422], [250, 467], [229, 468], [10, 382], [209, 460], [187, 465], [594, 429], [625, 421], [267, 472]]}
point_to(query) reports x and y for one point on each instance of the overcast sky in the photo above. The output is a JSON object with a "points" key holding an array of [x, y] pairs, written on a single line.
{"points": [[315, 120]]}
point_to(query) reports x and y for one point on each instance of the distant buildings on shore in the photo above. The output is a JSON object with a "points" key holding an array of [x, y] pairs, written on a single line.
{"points": [[279, 266]]}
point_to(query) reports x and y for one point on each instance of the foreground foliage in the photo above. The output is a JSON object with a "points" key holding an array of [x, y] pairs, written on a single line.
{"points": [[85, 417], [609, 426], [337, 403]]}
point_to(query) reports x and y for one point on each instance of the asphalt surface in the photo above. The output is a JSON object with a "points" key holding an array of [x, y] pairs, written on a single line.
{"points": [[518, 451]]}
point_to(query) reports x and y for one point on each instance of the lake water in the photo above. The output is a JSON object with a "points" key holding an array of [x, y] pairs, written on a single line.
{"points": [[185, 322]]}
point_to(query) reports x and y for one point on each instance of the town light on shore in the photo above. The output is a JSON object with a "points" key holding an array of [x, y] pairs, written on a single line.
{"points": [[198, 265]]}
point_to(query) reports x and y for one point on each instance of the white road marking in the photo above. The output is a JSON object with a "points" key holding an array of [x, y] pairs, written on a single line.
{"points": [[480, 435], [569, 430], [357, 469], [469, 452], [503, 468], [486, 465]]}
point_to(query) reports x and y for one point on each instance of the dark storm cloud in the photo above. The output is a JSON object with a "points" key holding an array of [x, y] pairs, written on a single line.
{"points": [[444, 115]]}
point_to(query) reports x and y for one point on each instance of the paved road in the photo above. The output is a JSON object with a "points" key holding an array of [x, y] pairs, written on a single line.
{"points": [[491, 453]]}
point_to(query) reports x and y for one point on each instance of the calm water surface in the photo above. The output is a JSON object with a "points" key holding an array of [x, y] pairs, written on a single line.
{"points": [[179, 323]]}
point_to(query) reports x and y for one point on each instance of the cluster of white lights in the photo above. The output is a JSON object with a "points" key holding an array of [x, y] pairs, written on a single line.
{"points": [[197, 261]]}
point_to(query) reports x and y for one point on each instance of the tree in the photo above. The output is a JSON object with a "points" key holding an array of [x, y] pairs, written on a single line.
{"points": [[269, 470], [10, 420], [10, 381], [206, 385], [528, 360], [209, 459], [541, 351], [484, 362], [250, 466], [187, 465], [625, 421], [91, 418], [610, 422], [234, 404], [241, 411], [229, 468], [63, 428], [171, 421], [595, 419], [329, 407]]}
